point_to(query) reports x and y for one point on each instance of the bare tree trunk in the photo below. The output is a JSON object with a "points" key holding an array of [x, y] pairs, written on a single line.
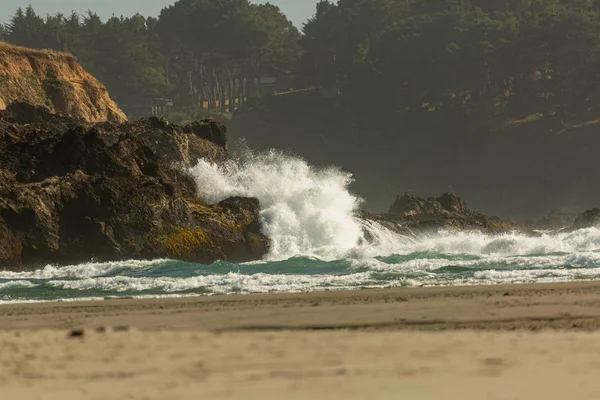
{"points": [[190, 87], [202, 84], [230, 91], [213, 93], [244, 90], [221, 94], [227, 89]]}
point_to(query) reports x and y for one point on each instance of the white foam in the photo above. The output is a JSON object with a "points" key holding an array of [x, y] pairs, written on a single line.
{"points": [[510, 244], [219, 284], [79, 271], [16, 284], [310, 212], [306, 211], [93, 298]]}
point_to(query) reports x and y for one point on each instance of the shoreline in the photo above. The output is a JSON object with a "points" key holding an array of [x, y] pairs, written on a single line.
{"points": [[424, 343], [274, 295], [495, 307]]}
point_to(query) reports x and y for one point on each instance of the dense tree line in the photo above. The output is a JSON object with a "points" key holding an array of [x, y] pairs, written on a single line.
{"points": [[518, 56], [496, 100], [479, 57], [196, 51]]}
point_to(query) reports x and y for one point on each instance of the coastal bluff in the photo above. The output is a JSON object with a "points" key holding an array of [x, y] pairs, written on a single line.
{"points": [[73, 191], [56, 81]]}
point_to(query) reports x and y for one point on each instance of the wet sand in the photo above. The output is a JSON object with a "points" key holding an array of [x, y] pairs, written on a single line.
{"points": [[498, 342]]}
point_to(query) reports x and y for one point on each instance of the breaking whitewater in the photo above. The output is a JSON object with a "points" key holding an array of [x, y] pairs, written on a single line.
{"points": [[317, 244]]}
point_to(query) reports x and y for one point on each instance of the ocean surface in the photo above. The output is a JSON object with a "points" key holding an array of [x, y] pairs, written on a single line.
{"points": [[317, 244]]}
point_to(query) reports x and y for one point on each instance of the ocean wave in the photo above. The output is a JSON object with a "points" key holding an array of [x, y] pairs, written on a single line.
{"points": [[216, 284], [509, 244], [306, 211], [80, 271], [16, 284]]}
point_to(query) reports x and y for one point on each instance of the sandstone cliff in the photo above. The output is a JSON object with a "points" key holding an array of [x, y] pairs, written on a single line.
{"points": [[54, 80]]}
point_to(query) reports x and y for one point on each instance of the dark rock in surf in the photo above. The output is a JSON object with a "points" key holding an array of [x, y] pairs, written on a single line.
{"points": [[452, 203], [556, 219], [588, 219], [411, 213], [71, 191], [409, 204]]}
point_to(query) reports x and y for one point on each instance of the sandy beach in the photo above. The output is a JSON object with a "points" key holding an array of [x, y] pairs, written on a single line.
{"points": [[497, 342]]}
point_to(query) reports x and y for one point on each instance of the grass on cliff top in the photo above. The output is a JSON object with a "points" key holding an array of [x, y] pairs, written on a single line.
{"points": [[13, 49]]}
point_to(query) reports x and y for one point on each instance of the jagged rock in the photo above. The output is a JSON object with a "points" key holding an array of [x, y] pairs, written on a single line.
{"points": [[71, 191], [588, 219], [413, 213], [408, 205], [411, 205], [556, 219], [452, 203], [207, 131]]}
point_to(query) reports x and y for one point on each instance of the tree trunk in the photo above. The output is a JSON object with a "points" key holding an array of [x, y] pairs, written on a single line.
{"points": [[203, 84], [230, 91]]}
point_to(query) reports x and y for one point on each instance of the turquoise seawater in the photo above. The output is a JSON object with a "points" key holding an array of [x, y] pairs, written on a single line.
{"points": [[160, 278]]}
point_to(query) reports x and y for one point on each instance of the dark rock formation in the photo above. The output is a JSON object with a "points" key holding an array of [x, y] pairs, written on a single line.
{"points": [[411, 213], [409, 205], [588, 219], [555, 220], [71, 191]]}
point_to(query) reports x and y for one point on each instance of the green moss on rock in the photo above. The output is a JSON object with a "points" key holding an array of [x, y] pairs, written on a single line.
{"points": [[184, 244]]}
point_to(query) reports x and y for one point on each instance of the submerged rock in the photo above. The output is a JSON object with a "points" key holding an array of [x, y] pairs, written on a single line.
{"points": [[71, 191]]}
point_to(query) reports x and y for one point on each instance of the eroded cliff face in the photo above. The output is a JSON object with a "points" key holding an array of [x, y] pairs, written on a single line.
{"points": [[54, 80]]}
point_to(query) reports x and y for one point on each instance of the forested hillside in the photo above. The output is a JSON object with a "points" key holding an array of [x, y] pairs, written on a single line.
{"points": [[518, 56], [497, 100], [189, 53]]}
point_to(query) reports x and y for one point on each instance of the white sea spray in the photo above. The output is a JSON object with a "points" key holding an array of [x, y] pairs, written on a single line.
{"points": [[318, 243]]}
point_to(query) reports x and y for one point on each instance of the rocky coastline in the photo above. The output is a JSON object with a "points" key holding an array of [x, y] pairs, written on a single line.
{"points": [[412, 215], [71, 191]]}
